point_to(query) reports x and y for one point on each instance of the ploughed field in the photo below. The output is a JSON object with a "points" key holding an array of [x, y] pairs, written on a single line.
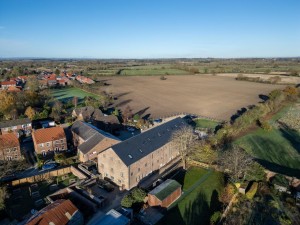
{"points": [[211, 96]]}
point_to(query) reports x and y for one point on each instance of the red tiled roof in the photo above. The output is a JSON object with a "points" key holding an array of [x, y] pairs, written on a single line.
{"points": [[23, 77], [8, 83], [13, 89], [9, 140], [55, 213], [48, 134]]}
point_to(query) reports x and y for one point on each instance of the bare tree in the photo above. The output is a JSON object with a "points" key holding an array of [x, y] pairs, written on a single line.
{"points": [[235, 162], [182, 140]]}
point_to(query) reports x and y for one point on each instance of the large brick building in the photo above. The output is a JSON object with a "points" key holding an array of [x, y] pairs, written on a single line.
{"points": [[49, 140], [132, 161], [9, 147]]}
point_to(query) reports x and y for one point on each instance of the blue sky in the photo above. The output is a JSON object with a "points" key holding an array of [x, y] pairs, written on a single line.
{"points": [[149, 28]]}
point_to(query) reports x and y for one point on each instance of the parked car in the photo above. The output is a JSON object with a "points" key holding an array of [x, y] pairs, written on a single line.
{"points": [[105, 185], [131, 129], [157, 120]]}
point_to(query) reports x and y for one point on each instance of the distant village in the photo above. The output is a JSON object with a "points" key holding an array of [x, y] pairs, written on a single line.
{"points": [[45, 79]]}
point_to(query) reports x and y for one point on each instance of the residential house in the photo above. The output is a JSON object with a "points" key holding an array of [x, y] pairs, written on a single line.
{"points": [[84, 80], [9, 147], [51, 82], [90, 140], [165, 194], [108, 123], [49, 140], [14, 89], [23, 79], [132, 161], [60, 212], [19, 126], [6, 84], [87, 113]]}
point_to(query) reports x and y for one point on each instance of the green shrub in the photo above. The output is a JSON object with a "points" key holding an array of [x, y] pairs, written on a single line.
{"points": [[127, 201], [265, 125], [214, 219], [250, 194], [138, 194]]}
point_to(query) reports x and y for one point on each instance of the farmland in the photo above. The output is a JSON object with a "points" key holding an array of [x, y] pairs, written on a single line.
{"points": [[278, 149], [210, 96]]}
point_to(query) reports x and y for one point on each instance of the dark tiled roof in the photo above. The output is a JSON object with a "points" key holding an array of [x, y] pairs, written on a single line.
{"points": [[165, 189], [145, 143], [10, 123], [89, 112], [112, 119], [90, 134]]}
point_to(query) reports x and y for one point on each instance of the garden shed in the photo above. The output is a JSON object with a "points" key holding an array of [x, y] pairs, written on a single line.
{"points": [[165, 194]]}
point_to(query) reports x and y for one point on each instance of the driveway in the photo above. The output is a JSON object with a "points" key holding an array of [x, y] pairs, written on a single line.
{"points": [[113, 201], [27, 149]]}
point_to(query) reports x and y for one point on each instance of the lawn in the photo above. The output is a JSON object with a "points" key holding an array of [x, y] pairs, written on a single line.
{"points": [[66, 94], [206, 123], [197, 206], [278, 150]]}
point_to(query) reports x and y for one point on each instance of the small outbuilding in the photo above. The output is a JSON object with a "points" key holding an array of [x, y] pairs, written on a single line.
{"points": [[165, 194]]}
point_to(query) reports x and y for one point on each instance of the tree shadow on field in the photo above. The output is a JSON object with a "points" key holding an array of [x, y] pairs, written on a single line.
{"points": [[197, 212], [147, 116], [292, 136], [279, 168], [122, 94], [263, 97], [120, 104], [238, 114], [142, 111]]}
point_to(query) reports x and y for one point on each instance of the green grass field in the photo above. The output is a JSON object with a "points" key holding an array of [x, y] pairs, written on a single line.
{"points": [[66, 94], [197, 206], [278, 150], [154, 71], [206, 123]]}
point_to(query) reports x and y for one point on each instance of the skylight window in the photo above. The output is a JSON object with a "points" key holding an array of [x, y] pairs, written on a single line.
{"points": [[130, 156], [141, 150]]}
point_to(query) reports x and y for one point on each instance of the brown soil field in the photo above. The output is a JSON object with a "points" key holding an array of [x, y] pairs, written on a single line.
{"points": [[284, 79], [210, 96]]}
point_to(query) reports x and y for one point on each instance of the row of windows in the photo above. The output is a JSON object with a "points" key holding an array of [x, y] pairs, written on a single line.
{"points": [[11, 150], [10, 157], [48, 143]]}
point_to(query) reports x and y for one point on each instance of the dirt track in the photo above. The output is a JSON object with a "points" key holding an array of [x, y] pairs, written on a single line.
{"points": [[212, 96]]}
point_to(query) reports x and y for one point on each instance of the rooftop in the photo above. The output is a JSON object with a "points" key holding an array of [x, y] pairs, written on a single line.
{"points": [[10, 123], [113, 218], [8, 140], [137, 147], [163, 190], [91, 135], [48, 134], [59, 212]]}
